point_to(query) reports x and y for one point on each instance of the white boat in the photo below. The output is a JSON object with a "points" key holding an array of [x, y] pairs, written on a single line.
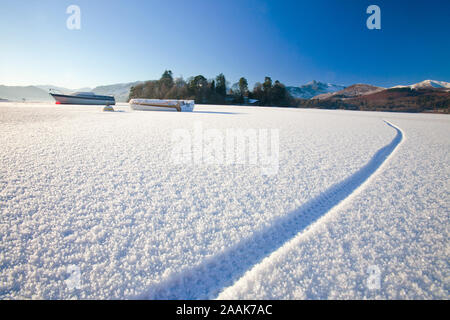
{"points": [[162, 105], [83, 98]]}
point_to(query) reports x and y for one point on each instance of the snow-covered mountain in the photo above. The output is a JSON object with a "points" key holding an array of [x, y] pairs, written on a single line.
{"points": [[62, 90], [48, 87], [24, 93], [351, 91], [428, 84], [120, 91], [313, 88]]}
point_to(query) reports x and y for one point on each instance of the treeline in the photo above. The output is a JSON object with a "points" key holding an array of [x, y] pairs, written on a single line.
{"points": [[214, 91], [272, 94]]}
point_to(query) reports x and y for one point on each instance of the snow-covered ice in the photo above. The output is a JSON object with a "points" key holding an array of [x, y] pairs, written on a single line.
{"points": [[98, 192], [397, 225]]}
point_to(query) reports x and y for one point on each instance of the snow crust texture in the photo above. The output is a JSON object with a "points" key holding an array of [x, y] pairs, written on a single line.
{"points": [[397, 224], [98, 191]]}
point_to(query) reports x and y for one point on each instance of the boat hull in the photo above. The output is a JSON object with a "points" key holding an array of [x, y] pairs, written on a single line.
{"points": [[152, 108], [162, 105], [94, 100]]}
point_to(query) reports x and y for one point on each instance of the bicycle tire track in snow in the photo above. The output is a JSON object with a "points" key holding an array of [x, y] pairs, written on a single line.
{"points": [[210, 277]]}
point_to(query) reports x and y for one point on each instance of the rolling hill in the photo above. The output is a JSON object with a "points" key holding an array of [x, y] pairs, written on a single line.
{"points": [[350, 92], [428, 84], [120, 91], [399, 99], [19, 93]]}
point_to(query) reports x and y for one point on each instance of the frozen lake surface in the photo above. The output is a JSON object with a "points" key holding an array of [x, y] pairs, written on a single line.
{"points": [[92, 205]]}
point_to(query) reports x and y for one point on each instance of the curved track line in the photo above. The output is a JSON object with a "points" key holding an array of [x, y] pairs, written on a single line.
{"points": [[206, 281]]}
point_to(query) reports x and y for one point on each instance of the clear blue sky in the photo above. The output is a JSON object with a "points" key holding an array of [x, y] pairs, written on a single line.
{"points": [[293, 41]]}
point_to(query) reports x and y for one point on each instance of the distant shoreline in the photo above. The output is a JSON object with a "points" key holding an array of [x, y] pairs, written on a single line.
{"points": [[431, 111]]}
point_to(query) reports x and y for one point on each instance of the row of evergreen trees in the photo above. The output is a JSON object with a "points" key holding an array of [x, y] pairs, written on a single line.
{"points": [[272, 94], [214, 91]]}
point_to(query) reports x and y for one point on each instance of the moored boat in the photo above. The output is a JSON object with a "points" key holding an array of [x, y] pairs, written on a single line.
{"points": [[162, 105], [83, 98]]}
